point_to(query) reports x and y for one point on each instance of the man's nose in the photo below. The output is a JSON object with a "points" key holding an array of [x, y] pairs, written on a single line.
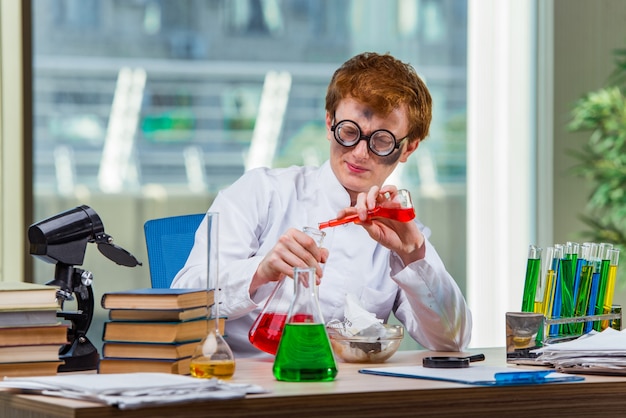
{"points": [[361, 148]]}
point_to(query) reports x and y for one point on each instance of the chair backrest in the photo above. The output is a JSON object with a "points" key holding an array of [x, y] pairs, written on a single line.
{"points": [[169, 241]]}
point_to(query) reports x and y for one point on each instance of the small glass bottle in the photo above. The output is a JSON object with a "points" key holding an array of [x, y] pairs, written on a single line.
{"points": [[213, 356], [304, 352], [267, 329]]}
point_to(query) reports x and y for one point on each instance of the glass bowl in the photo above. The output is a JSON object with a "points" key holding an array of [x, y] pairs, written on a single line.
{"points": [[357, 349]]}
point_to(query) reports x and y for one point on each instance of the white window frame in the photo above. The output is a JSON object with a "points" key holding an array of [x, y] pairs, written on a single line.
{"points": [[505, 204], [12, 187]]}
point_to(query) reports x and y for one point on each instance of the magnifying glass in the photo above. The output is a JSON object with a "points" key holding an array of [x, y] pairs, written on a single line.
{"points": [[451, 362]]}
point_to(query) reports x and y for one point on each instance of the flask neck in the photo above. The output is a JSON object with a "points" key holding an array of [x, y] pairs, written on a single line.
{"points": [[305, 305]]}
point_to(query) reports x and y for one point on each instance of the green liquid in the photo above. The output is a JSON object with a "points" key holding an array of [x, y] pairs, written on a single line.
{"points": [[574, 258], [582, 300], [567, 295], [304, 354], [530, 285]]}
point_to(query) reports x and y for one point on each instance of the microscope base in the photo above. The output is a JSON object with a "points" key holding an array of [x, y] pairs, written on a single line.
{"points": [[81, 355]]}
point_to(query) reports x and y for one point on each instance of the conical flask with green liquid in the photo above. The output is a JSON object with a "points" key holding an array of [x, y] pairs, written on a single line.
{"points": [[304, 352]]}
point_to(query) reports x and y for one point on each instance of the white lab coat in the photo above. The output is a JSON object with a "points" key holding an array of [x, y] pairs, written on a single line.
{"points": [[264, 203]]}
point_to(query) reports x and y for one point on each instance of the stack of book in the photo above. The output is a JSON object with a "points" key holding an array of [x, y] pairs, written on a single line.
{"points": [[31, 335], [155, 330]]}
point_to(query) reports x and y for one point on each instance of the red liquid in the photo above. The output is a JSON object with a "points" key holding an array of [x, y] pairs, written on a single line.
{"points": [[397, 214], [268, 328]]}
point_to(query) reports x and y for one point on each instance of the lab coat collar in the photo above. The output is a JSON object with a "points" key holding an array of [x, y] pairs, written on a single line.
{"points": [[337, 195]]}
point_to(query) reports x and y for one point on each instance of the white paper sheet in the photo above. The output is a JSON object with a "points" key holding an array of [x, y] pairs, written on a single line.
{"points": [[593, 353], [131, 390]]}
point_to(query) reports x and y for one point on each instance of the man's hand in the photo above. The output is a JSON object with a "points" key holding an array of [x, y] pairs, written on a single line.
{"points": [[293, 249], [403, 238]]}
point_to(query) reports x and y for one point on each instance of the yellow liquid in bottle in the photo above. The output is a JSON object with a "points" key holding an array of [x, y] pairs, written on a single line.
{"points": [[221, 369]]}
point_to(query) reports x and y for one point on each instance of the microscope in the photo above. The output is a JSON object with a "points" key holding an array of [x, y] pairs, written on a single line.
{"points": [[62, 240]]}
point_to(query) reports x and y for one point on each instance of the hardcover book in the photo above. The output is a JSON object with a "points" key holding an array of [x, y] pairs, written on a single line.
{"points": [[164, 351], [29, 353], [33, 335], [167, 315], [26, 295], [124, 365], [25, 317], [35, 368], [158, 332], [155, 298]]}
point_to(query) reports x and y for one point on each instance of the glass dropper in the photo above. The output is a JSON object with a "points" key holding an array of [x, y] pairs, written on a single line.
{"points": [[213, 357]]}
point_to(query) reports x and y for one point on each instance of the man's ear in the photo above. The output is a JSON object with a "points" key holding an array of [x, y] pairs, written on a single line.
{"points": [[408, 150], [329, 123]]}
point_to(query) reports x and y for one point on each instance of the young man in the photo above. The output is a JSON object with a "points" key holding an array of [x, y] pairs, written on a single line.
{"points": [[377, 112]]}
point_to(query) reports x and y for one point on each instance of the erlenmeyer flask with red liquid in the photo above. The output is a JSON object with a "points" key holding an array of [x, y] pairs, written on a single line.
{"points": [[399, 208], [267, 329]]}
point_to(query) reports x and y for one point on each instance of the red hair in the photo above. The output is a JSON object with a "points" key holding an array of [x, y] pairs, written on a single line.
{"points": [[383, 83]]}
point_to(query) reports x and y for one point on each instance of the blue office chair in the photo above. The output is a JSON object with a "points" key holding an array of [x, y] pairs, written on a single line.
{"points": [[169, 241]]}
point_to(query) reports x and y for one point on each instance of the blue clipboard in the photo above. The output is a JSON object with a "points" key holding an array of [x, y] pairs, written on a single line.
{"points": [[476, 375]]}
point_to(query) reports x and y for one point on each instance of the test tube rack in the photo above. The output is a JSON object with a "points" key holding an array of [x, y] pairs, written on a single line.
{"points": [[520, 345]]}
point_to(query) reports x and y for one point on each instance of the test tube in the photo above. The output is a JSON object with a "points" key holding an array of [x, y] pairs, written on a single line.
{"points": [[584, 285], [571, 253], [595, 282], [566, 280], [558, 287], [533, 270], [613, 256], [581, 260], [602, 285], [545, 306]]}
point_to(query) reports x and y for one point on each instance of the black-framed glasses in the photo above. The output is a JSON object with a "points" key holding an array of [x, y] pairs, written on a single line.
{"points": [[381, 142]]}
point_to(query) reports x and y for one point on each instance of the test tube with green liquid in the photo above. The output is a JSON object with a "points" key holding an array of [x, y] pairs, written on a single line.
{"points": [[571, 253], [533, 270], [567, 280], [602, 285], [567, 293], [584, 285]]}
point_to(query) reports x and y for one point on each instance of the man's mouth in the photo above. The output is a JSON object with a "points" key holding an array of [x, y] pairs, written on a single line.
{"points": [[355, 168]]}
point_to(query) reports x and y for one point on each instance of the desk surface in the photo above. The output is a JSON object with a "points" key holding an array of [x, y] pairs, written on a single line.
{"points": [[355, 394]]}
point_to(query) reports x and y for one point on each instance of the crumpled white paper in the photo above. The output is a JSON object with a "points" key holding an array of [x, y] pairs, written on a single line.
{"points": [[131, 390], [358, 321]]}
